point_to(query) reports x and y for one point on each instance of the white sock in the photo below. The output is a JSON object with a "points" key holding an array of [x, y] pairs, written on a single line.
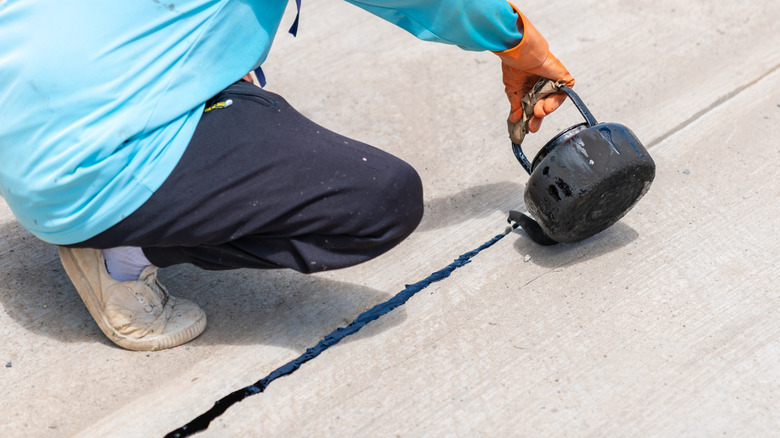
{"points": [[125, 263]]}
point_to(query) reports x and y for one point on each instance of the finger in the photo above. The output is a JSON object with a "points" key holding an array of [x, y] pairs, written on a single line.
{"points": [[534, 123], [247, 77], [516, 116], [548, 104], [515, 100]]}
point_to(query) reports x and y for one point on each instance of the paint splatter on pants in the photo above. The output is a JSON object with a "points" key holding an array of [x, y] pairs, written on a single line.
{"points": [[261, 186]]}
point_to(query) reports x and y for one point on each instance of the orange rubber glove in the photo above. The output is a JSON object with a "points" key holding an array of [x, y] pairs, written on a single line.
{"points": [[522, 66]]}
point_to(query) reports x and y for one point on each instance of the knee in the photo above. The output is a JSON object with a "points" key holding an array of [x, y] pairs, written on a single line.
{"points": [[400, 203], [412, 189]]}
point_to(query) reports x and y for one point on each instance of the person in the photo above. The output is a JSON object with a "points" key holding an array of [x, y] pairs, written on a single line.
{"points": [[129, 140]]}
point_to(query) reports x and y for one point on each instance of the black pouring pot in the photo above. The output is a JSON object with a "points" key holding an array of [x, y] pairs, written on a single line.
{"points": [[583, 180]]}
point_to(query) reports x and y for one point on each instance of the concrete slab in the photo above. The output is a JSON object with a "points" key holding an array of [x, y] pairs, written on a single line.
{"points": [[554, 346], [666, 325]]}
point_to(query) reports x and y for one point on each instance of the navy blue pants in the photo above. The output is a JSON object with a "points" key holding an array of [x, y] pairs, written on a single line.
{"points": [[261, 186]]}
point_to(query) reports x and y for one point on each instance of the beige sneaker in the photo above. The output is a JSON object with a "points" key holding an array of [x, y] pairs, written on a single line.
{"points": [[137, 315]]}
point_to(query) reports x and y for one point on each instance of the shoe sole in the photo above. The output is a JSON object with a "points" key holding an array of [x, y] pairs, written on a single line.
{"points": [[88, 295]]}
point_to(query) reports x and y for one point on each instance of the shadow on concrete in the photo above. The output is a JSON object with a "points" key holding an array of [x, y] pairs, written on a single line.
{"points": [[485, 200], [473, 202], [611, 239], [281, 308]]}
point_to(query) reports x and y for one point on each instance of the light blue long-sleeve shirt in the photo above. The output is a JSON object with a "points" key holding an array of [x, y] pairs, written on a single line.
{"points": [[99, 98]]}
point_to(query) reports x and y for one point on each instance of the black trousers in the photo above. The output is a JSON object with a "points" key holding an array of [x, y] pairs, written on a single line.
{"points": [[261, 186]]}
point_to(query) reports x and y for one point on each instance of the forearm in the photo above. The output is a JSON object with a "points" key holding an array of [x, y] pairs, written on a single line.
{"points": [[469, 24]]}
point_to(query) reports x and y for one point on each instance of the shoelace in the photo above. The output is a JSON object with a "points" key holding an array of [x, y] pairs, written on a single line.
{"points": [[151, 281]]}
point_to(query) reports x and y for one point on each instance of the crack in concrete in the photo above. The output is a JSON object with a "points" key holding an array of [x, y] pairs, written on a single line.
{"points": [[555, 269], [203, 421], [714, 105]]}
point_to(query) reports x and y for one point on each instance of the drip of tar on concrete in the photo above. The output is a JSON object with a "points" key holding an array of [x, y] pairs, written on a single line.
{"points": [[202, 421]]}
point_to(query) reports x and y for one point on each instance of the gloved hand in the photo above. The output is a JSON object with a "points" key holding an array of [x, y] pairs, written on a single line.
{"points": [[522, 67]]}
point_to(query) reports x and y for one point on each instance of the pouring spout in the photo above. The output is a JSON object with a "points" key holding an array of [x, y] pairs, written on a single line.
{"points": [[531, 227]]}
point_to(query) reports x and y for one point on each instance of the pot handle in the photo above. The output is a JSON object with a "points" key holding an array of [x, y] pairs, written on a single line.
{"points": [[518, 151], [528, 103], [580, 105]]}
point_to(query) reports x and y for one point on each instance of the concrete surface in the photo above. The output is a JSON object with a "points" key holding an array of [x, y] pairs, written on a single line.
{"points": [[664, 325]]}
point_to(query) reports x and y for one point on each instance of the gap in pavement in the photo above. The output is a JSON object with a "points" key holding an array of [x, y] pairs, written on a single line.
{"points": [[202, 422], [709, 108]]}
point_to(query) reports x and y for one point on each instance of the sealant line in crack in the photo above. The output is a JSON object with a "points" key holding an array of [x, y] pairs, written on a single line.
{"points": [[709, 108], [202, 422]]}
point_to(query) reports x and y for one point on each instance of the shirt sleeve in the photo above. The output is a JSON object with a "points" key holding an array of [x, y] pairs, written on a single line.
{"points": [[470, 24]]}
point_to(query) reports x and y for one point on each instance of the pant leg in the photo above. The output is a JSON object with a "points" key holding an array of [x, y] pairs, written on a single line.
{"points": [[261, 186]]}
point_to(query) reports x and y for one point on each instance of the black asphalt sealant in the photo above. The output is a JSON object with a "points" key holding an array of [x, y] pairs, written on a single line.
{"points": [[202, 421]]}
